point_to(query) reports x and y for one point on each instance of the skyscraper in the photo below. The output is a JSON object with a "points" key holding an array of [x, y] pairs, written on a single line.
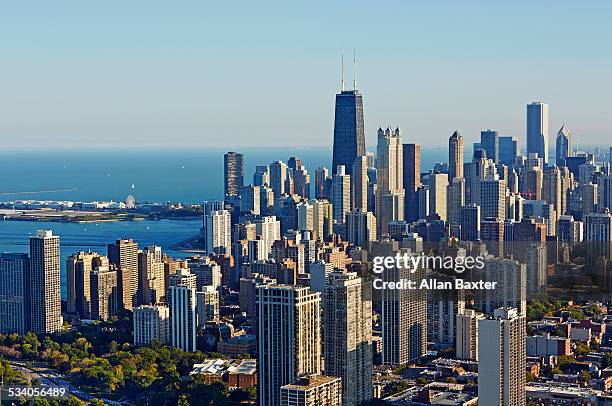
{"points": [[455, 199], [470, 222], [467, 334], [489, 141], [501, 359], [404, 317], [349, 134], [182, 304], [511, 291], [44, 283], [493, 197], [537, 129], [359, 184], [390, 184], [361, 227], [508, 150], [598, 236], [233, 171], [411, 180], [103, 293], [341, 194], [218, 231], [278, 177], [289, 338], [13, 291], [438, 183], [151, 284], [123, 254], [564, 145], [151, 323], [348, 335], [455, 156]]}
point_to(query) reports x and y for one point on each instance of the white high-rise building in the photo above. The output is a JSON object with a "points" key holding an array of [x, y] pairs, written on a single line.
{"points": [[361, 227], [44, 283], [289, 338], [438, 182], [537, 129], [389, 179], [359, 183], [341, 194], [511, 290], [466, 344], [218, 231], [305, 216], [493, 197], [501, 359], [207, 305], [313, 390], [348, 335], [268, 229], [182, 303], [151, 322], [404, 317], [151, 278]]}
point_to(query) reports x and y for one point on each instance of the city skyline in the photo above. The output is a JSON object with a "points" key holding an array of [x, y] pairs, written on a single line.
{"points": [[136, 86]]}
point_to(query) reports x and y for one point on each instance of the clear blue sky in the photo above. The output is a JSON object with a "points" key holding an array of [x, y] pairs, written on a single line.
{"points": [[233, 73]]}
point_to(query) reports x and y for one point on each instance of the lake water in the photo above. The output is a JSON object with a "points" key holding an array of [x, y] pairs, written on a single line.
{"points": [[75, 237], [188, 176]]}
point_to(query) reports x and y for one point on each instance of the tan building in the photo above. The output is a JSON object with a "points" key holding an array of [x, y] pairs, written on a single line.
{"points": [[43, 283], [467, 334], [151, 279], [289, 339], [455, 156], [104, 293], [314, 390], [123, 254], [347, 335]]}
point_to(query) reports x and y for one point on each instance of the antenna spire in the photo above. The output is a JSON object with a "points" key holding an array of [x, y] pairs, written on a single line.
{"points": [[342, 70], [354, 70]]}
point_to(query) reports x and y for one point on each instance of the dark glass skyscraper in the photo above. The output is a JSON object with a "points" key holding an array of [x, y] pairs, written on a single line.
{"points": [[349, 135], [233, 173]]}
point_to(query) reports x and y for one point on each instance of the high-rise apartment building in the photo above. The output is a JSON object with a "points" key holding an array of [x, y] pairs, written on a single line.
{"points": [[182, 304], [44, 283], [341, 194], [289, 338], [598, 236], [347, 335], [438, 183], [511, 290], [104, 293], [493, 197], [151, 322], [360, 227], [359, 183], [151, 278], [14, 310], [404, 317], [467, 334], [501, 359], [123, 254], [233, 171], [537, 129], [390, 185], [217, 231], [207, 305], [455, 199], [313, 390], [278, 178]]}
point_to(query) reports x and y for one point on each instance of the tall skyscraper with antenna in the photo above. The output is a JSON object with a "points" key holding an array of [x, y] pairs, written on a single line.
{"points": [[349, 134]]}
